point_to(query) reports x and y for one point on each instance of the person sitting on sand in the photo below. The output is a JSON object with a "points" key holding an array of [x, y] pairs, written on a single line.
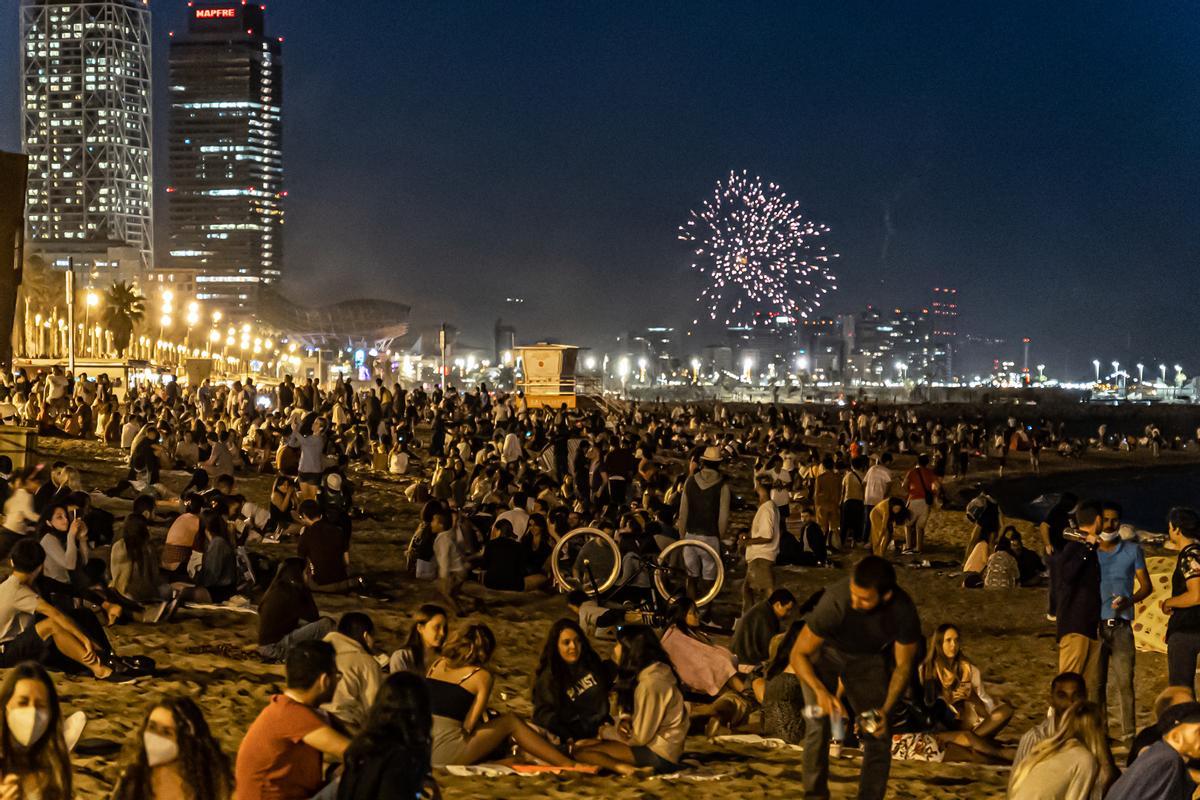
{"points": [[1002, 570], [654, 717], [460, 687], [753, 632], [504, 562], [283, 751], [424, 643], [1165, 770], [1066, 689], [287, 613], [361, 675], [708, 672], [1069, 764], [391, 755], [181, 539], [780, 692], [283, 505], [217, 576], [1031, 568], [326, 547], [31, 629], [174, 755], [954, 686], [34, 761], [571, 685], [1167, 698]]}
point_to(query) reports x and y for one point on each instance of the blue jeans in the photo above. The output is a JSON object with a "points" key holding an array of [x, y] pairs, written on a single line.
{"points": [[313, 631]]}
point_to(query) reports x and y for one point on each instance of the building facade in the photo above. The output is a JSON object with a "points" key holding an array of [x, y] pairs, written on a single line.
{"points": [[225, 199], [87, 127]]}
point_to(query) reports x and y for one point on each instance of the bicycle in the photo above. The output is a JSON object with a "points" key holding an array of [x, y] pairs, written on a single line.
{"points": [[589, 559]]}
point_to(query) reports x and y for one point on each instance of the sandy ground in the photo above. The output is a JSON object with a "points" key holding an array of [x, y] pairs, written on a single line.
{"points": [[1006, 633]]}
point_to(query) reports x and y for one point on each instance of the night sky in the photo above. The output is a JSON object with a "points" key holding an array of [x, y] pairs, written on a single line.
{"points": [[1042, 157]]}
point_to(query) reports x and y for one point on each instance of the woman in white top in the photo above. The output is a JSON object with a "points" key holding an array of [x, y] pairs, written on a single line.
{"points": [[948, 675], [1071, 764], [19, 515]]}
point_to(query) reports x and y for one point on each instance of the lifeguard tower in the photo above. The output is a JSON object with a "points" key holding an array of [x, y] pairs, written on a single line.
{"points": [[547, 374]]}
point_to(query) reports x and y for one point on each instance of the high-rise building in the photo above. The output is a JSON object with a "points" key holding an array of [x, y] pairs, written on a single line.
{"points": [[86, 127], [944, 311], [225, 152]]}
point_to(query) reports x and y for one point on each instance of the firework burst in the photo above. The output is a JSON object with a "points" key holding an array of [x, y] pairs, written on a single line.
{"points": [[758, 253]]}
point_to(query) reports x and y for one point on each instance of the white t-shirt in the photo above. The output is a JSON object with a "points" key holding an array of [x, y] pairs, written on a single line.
{"points": [[18, 603], [398, 464], [19, 516], [447, 555], [764, 526], [518, 518], [879, 478]]}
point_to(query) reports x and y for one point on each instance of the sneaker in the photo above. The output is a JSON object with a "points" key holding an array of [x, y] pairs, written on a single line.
{"points": [[73, 729]]}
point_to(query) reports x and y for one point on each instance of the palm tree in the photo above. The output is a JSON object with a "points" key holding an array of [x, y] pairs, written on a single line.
{"points": [[124, 308]]}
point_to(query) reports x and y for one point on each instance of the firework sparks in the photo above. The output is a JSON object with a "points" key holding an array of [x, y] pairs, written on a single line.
{"points": [[759, 254]]}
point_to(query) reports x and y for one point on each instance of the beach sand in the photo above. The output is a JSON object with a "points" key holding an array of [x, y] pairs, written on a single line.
{"points": [[202, 654]]}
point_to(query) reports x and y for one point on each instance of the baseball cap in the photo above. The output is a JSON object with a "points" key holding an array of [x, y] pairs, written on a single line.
{"points": [[1180, 714]]}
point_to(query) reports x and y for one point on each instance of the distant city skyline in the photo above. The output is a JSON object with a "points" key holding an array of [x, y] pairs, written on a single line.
{"points": [[1041, 159]]}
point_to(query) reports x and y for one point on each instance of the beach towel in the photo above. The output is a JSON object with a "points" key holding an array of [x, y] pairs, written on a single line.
{"points": [[1149, 622], [702, 667]]}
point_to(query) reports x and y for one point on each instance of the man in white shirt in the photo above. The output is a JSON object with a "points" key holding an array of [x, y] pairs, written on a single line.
{"points": [[516, 515], [762, 548], [448, 556], [878, 481]]}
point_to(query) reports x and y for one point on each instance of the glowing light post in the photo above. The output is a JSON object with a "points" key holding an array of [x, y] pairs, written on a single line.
{"points": [[623, 373], [1162, 370], [1141, 369], [695, 370], [1096, 364], [1179, 377], [90, 301], [1041, 368], [193, 317]]}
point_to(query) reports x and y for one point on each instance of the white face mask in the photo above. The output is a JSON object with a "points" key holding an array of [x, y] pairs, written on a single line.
{"points": [[27, 724], [1110, 536], [159, 749]]}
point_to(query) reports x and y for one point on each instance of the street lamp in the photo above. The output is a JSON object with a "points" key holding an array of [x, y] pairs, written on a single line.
{"points": [[1141, 368], [1162, 370], [1041, 368], [1096, 364]]}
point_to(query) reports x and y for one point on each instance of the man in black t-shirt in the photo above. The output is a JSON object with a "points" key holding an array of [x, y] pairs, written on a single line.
{"points": [[848, 637]]}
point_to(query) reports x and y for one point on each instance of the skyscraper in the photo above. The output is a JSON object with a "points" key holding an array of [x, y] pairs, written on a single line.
{"points": [[86, 126], [225, 156]]}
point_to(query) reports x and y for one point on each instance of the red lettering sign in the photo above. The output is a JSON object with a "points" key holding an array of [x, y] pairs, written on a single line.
{"points": [[216, 13]]}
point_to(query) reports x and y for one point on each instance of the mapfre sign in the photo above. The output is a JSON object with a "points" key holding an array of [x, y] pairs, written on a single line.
{"points": [[216, 13]]}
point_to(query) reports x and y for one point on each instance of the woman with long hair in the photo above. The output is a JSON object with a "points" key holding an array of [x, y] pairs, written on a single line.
{"points": [[391, 755], [218, 571], [287, 613], [654, 716], [33, 750], [175, 757], [953, 679], [707, 671], [460, 687], [424, 643], [570, 686], [779, 691], [1069, 764]]}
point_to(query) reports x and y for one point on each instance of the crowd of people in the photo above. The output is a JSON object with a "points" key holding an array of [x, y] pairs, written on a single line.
{"points": [[626, 676]]}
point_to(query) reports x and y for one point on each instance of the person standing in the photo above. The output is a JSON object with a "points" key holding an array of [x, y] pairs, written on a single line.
{"points": [[1183, 628], [1077, 575], [704, 515], [853, 495], [876, 486], [827, 499], [1122, 567], [922, 485], [762, 548], [855, 622]]}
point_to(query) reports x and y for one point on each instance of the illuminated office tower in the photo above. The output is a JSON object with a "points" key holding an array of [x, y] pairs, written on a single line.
{"points": [[86, 127], [225, 153]]}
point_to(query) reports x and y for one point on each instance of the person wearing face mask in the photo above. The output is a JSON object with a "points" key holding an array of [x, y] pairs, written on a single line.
{"points": [[34, 761], [1075, 572], [175, 756], [571, 685], [281, 756], [354, 641], [1122, 567]]}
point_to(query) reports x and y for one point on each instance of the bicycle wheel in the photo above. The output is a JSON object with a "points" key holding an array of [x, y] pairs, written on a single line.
{"points": [[587, 559], [675, 562]]}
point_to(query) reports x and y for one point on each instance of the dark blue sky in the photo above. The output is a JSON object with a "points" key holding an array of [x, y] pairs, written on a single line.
{"points": [[1042, 157]]}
